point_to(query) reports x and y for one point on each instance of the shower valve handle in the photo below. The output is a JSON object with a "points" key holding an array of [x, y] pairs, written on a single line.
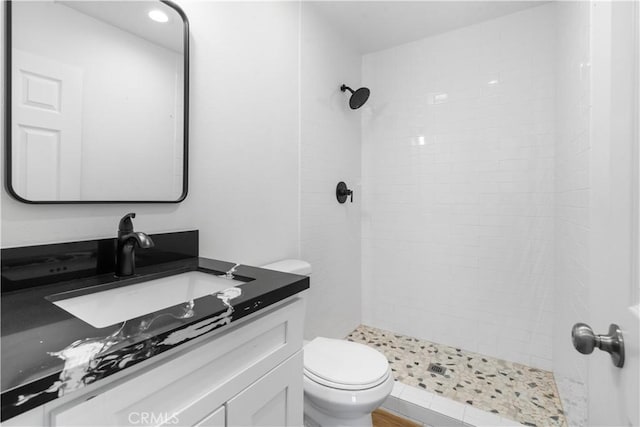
{"points": [[584, 340], [342, 192]]}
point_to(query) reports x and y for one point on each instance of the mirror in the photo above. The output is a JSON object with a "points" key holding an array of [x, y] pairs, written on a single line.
{"points": [[99, 97]]}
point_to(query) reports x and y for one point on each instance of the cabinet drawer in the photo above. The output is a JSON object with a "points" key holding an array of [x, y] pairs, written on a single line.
{"points": [[191, 385]]}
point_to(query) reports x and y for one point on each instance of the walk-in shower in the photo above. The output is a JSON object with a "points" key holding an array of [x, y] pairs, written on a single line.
{"points": [[475, 163]]}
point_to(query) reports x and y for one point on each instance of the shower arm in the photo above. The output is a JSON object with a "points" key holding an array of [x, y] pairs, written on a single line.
{"points": [[345, 87]]}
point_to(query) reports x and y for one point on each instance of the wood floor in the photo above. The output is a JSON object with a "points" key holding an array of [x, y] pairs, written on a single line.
{"points": [[382, 418]]}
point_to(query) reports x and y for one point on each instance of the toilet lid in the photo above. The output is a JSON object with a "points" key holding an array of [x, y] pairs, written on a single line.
{"points": [[344, 365]]}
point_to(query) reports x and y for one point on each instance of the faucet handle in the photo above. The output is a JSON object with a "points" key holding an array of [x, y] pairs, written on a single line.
{"points": [[126, 225]]}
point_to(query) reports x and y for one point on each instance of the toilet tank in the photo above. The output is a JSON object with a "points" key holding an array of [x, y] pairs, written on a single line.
{"points": [[295, 266]]}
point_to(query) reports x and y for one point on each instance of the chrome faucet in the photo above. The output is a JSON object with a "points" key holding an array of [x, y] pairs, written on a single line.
{"points": [[126, 249]]}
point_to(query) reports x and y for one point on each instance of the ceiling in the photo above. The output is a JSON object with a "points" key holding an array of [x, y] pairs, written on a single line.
{"points": [[131, 16], [378, 25]]}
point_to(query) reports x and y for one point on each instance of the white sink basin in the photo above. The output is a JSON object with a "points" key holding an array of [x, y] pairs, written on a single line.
{"points": [[106, 308]]}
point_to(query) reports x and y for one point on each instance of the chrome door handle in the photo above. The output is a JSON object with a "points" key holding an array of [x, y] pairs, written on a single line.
{"points": [[584, 340]]}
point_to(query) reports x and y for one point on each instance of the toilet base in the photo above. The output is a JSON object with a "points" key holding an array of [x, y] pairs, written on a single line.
{"points": [[315, 418]]}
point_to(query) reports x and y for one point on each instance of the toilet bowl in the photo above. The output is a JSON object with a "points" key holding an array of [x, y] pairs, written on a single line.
{"points": [[343, 381]]}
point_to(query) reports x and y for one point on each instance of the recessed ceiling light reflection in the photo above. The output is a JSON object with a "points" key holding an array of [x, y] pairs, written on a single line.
{"points": [[158, 16], [419, 140], [439, 98]]}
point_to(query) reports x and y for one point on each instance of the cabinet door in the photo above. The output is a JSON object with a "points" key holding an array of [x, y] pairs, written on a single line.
{"points": [[276, 399]]}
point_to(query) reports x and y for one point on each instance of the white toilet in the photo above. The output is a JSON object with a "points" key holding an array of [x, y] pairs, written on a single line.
{"points": [[343, 381]]}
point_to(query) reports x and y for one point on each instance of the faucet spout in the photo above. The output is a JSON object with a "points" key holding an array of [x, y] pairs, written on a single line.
{"points": [[142, 239], [126, 245]]}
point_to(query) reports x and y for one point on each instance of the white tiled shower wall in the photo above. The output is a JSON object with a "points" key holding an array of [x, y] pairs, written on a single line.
{"points": [[572, 204], [458, 192]]}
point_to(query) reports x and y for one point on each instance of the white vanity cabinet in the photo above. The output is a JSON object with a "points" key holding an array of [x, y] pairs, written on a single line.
{"points": [[248, 375]]}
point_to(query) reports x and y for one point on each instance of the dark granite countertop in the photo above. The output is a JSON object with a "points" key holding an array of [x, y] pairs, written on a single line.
{"points": [[47, 352]]}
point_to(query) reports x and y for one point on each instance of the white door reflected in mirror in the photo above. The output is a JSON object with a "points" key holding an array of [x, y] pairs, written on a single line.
{"points": [[47, 127]]}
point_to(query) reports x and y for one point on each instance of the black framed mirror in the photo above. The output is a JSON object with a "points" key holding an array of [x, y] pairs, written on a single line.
{"points": [[97, 96]]}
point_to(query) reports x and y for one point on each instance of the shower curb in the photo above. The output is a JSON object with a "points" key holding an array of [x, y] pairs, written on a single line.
{"points": [[431, 409]]}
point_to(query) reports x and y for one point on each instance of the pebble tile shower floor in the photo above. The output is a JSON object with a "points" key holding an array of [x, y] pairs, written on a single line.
{"points": [[518, 392]]}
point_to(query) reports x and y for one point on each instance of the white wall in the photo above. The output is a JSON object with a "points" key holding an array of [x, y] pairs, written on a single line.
{"points": [[572, 201], [124, 76], [244, 129], [330, 152], [458, 163], [244, 145]]}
